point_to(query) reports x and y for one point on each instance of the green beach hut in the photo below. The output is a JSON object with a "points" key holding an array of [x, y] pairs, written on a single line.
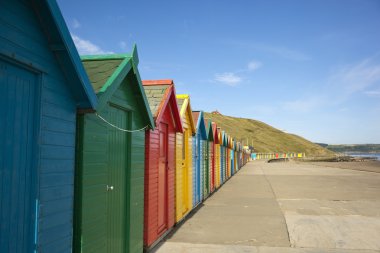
{"points": [[109, 185]]}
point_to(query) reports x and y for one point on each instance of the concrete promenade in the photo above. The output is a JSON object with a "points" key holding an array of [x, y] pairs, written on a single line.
{"points": [[285, 207]]}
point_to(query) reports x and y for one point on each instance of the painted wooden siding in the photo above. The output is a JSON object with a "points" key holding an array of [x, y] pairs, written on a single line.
{"points": [[151, 185], [222, 164], [228, 162], [20, 32], [92, 178], [178, 176], [18, 163], [205, 169], [135, 206], [90, 184], [201, 166], [135, 176], [171, 178], [194, 170], [183, 204], [197, 169], [232, 156], [236, 162], [210, 166], [217, 165], [151, 229], [184, 194]]}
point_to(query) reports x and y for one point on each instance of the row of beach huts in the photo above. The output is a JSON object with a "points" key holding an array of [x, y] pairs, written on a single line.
{"points": [[93, 159], [266, 156]]}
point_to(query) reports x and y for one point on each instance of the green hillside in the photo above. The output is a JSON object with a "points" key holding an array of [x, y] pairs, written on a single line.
{"points": [[364, 148], [266, 139]]}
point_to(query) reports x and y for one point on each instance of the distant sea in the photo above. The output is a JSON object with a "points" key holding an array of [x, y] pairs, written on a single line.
{"points": [[377, 155]]}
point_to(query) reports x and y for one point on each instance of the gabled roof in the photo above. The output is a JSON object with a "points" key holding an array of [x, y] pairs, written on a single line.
{"points": [[183, 101], [62, 45], [224, 137], [210, 135], [220, 136], [107, 73], [196, 115], [160, 94], [200, 126], [230, 142], [215, 132]]}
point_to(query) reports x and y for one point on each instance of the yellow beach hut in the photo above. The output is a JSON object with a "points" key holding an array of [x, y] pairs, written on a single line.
{"points": [[183, 175], [215, 131]]}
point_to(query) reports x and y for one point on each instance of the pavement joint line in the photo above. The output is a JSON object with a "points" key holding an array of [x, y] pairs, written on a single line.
{"points": [[279, 206]]}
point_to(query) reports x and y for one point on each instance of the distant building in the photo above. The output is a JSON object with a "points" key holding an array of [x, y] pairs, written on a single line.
{"points": [[216, 112]]}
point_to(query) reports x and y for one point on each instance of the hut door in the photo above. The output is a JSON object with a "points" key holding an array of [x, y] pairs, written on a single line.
{"points": [[212, 166], [198, 168], [200, 164], [117, 180], [19, 121], [205, 168], [162, 179], [185, 184]]}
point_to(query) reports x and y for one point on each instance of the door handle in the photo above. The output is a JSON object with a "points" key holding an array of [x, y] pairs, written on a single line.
{"points": [[109, 188]]}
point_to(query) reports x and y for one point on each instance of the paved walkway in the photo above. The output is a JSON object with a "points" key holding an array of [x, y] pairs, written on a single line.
{"points": [[286, 207]]}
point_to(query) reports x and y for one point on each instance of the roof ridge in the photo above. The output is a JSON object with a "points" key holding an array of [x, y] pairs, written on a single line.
{"points": [[158, 82], [101, 57]]}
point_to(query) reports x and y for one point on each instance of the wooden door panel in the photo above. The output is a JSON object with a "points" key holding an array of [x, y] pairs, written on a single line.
{"points": [[117, 181], [162, 178], [185, 177], [18, 171]]}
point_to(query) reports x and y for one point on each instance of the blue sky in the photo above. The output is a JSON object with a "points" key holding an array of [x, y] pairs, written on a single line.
{"points": [[306, 67]]}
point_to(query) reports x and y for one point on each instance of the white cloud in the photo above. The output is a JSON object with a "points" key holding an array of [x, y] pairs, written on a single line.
{"points": [[76, 23], [287, 53], [253, 65], [372, 93], [236, 77], [344, 83], [356, 78], [87, 47], [228, 78]]}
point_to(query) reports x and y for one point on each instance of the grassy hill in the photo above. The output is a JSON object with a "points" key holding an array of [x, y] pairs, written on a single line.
{"points": [[364, 148], [265, 138]]}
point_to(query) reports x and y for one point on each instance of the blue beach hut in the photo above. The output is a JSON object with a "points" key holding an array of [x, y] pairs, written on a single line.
{"points": [[232, 157], [43, 86], [198, 156], [223, 156]]}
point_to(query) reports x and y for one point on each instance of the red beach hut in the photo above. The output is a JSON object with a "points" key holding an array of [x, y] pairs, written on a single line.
{"points": [[159, 210], [211, 153], [215, 131]]}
